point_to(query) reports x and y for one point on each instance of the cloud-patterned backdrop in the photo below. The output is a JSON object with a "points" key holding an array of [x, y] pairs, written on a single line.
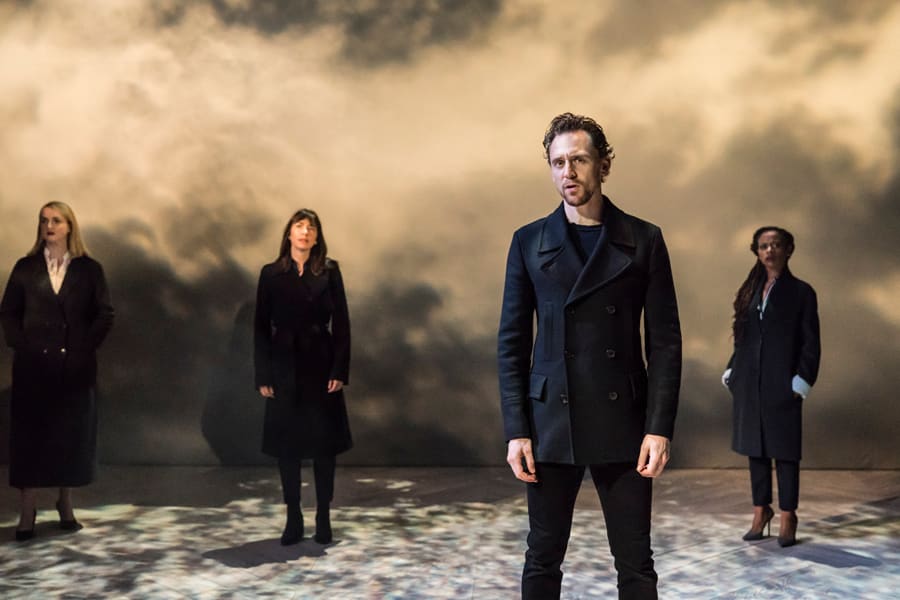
{"points": [[184, 133]]}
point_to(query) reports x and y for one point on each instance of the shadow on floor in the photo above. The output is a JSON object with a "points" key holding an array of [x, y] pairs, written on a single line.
{"points": [[268, 551]]}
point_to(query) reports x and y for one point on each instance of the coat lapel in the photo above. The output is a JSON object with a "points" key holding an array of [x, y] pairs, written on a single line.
{"points": [[40, 275], [68, 281], [561, 261], [315, 283], [754, 318], [607, 260], [778, 296]]}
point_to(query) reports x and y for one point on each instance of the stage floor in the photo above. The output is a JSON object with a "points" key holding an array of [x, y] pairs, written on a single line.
{"points": [[212, 532]]}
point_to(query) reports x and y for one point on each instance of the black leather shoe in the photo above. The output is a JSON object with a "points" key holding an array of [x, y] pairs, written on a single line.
{"points": [[67, 524], [293, 528], [23, 535], [323, 527]]}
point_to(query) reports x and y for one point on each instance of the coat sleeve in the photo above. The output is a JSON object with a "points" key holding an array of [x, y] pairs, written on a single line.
{"points": [[514, 344], [810, 346], [102, 322], [262, 333], [662, 333], [340, 328], [12, 309]]}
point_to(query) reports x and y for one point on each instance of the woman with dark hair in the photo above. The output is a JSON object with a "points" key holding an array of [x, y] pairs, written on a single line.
{"points": [[55, 313], [774, 365], [302, 360]]}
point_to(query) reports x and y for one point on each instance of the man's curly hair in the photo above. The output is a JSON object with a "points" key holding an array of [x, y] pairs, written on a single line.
{"points": [[567, 122]]}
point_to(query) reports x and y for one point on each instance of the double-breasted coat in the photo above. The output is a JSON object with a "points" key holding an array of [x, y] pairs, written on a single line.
{"points": [[772, 350], [54, 337], [581, 389], [302, 340]]}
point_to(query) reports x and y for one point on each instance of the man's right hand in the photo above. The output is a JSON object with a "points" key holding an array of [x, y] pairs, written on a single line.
{"points": [[519, 452], [266, 391]]}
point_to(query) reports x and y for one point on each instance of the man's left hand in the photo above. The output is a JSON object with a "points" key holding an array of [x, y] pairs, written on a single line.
{"points": [[654, 455]]}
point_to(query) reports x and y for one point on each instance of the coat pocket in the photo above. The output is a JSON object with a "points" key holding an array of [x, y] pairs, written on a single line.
{"points": [[536, 387]]}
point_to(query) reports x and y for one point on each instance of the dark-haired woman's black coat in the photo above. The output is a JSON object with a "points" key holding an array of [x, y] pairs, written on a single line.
{"points": [[54, 337], [785, 342], [301, 340]]}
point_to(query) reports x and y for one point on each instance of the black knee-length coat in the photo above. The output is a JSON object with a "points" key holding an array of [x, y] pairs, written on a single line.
{"points": [[302, 340], [54, 337], [785, 342]]}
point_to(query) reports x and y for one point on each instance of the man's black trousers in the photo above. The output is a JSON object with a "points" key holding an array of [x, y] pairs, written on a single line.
{"points": [[625, 497]]}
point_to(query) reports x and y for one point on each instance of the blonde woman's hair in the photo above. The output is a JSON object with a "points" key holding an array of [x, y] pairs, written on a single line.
{"points": [[75, 244]]}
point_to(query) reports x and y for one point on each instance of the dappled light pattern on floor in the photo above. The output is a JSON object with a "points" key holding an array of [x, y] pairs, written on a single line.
{"points": [[408, 544]]}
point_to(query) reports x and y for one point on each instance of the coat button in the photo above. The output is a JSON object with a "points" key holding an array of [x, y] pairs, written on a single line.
{"points": [[45, 351], [568, 354], [610, 353], [611, 309], [613, 396], [62, 350], [564, 399]]}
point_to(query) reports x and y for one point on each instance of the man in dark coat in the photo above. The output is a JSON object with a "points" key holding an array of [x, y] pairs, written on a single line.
{"points": [[579, 395]]}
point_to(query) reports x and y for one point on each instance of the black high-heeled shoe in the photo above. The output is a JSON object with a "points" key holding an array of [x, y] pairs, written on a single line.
{"points": [[756, 529], [23, 535], [323, 526], [293, 528], [67, 524], [787, 534]]}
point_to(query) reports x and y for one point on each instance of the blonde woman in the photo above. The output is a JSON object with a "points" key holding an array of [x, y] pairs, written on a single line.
{"points": [[55, 313]]}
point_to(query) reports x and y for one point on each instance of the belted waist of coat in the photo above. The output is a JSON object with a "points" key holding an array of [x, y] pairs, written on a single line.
{"points": [[301, 328], [308, 330]]}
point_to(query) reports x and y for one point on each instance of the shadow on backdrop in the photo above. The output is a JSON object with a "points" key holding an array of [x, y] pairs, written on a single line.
{"points": [[405, 367]]}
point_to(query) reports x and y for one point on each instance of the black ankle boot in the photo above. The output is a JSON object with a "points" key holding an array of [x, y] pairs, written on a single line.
{"points": [[323, 525], [293, 528], [67, 524], [23, 535]]}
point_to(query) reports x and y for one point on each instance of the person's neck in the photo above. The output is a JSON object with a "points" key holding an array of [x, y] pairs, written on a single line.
{"points": [[589, 213], [772, 275], [56, 250], [300, 257]]}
